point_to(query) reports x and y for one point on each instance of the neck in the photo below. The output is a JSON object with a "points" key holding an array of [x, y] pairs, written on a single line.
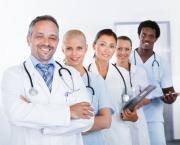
{"points": [[79, 68], [124, 64], [145, 53], [102, 67]]}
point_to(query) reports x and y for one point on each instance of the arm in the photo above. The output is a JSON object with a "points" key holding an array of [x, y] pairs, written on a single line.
{"points": [[102, 121], [29, 115]]}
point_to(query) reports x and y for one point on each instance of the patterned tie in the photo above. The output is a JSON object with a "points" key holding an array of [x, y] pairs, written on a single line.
{"points": [[46, 74]]}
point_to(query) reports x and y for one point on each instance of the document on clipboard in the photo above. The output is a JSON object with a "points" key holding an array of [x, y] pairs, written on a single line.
{"points": [[139, 97]]}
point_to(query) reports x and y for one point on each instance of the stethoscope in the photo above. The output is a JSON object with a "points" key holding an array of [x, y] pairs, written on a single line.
{"points": [[88, 86], [34, 91], [125, 97], [154, 61]]}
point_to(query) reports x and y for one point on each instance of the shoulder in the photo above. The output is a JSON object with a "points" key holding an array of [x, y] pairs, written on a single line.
{"points": [[137, 69], [121, 69], [165, 64], [14, 69], [71, 69]]}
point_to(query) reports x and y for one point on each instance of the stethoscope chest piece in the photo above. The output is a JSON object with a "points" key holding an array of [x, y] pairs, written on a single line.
{"points": [[132, 89], [125, 98], [33, 92]]}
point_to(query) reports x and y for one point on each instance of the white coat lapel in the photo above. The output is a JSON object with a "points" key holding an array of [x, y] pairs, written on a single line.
{"points": [[56, 80], [36, 77]]}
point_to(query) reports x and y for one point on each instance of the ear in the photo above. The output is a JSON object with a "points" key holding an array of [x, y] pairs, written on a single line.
{"points": [[62, 48], [93, 46], [28, 40], [86, 47]]}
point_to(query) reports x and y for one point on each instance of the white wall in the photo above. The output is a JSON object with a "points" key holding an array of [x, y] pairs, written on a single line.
{"points": [[90, 17]]}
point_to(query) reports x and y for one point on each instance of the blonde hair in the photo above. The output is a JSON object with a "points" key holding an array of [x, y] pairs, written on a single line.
{"points": [[74, 33]]}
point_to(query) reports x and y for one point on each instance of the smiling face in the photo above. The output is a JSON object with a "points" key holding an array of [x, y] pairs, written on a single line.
{"points": [[147, 38], [105, 47], [74, 49], [123, 50], [43, 40]]}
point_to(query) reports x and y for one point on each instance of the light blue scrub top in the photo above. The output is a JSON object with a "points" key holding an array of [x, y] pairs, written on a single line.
{"points": [[154, 110], [99, 100]]}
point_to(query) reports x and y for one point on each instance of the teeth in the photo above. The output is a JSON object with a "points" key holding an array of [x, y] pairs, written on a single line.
{"points": [[46, 50], [75, 58], [106, 55], [147, 43]]}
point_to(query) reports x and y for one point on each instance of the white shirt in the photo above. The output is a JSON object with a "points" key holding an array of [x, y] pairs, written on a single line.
{"points": [[119, 132], [47, 111], [139, 129]]}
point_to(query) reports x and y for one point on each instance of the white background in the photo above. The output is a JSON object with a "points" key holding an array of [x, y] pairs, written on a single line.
{"points": [[90, 17]]}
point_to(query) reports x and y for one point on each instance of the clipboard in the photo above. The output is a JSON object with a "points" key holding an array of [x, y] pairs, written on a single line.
{"points": [[139, 97]]}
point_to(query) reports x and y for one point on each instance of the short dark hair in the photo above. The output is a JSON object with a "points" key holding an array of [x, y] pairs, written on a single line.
{"points": [[108, 32], [40, 18], [124, 38], [150, 24]]}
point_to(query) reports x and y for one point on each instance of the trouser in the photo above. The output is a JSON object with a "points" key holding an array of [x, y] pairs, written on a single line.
{"points": [[156, 133]]}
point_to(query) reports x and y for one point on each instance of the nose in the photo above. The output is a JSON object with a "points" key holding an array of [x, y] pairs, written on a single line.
{"points": [[46, 41], [122, 51], [74, 52]]}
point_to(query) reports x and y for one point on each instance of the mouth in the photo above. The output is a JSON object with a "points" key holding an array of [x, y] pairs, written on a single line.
{"points": [[146, 44], [45, 49], [123, 57], [106, 55], [75, 58]]}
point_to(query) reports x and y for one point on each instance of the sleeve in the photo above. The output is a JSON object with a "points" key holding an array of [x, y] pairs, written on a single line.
{"points": [[39, 116], [29, 115], [143, 80], [166, 80], [76, 125], [103, 100]]}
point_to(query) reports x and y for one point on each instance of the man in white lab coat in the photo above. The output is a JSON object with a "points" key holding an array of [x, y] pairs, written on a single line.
{"points": [[59, 108]]}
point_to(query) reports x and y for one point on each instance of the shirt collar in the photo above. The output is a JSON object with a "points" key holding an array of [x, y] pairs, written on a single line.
{"points": [[35, 61]]}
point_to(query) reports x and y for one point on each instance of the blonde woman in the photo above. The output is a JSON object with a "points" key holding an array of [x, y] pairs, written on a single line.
{"points": [[74, 48]]}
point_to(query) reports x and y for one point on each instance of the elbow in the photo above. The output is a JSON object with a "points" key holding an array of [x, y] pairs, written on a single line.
{"points": [[107, 125]]}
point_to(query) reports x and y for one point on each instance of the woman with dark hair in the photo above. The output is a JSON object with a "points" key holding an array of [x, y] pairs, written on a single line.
{"points": [[118, 86], [138, 81]]}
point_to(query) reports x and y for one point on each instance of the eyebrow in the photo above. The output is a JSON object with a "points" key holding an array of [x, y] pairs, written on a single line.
{"points": [[43, 34]]}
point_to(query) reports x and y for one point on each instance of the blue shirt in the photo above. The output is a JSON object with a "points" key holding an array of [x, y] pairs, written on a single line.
{"points": [[160, 77], [99, 100], [35, 62]]}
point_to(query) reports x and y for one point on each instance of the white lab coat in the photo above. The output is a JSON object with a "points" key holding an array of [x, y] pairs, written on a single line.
{"points": [[139, 129], [47, 111], [119, 132]]}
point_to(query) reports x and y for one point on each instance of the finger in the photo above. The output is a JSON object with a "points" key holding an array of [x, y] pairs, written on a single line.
{"points": [[128, 112], [85, 117], [88, 113], [85, 103], [88, 108]]}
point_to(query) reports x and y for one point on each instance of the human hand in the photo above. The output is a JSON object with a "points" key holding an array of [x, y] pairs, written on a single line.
{"points": [[127, 115], [169, 98], [85, 133], [81, 110], [140, 104], [24, 99]]}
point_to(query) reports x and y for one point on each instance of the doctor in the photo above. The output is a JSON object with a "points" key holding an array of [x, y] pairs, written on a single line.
{"points": [[59, 108], [138, 81], [159, 74], [75, 47], [118, 86]]}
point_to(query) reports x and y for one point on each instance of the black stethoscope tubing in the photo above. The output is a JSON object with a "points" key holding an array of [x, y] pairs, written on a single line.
{"points": [[120, 75], [152, 62], [88, 86]]}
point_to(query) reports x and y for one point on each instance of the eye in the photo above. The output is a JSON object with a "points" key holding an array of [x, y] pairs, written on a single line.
{"points": [[119, 49], [68, 48], [39, 37], [101, 44], [152, 36], [142, 35], [79, 48], [127, 49], [52, 38], [112, 46]]}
